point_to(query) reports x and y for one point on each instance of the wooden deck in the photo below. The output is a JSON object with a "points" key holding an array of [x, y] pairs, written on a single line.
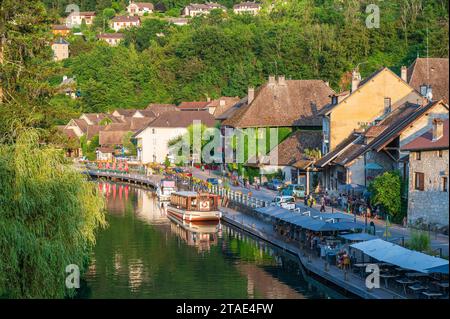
{"points": [[350, 282]]}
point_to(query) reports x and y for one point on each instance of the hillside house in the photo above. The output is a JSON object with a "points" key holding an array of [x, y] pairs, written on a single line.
{"points": [[125, 22], [140, 8]]}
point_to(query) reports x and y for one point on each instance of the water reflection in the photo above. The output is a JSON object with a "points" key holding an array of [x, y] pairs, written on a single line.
{"points": [[144, 254]]}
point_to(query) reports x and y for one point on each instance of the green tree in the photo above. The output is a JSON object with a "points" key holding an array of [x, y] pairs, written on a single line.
{"points": [[49, 217], [386, 191], [129, 145]]}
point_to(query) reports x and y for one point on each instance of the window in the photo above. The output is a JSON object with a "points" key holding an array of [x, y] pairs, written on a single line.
{"points": [[387, 104], [153, 131], [439, 153], [418, 156], [419, 181], [423, 90], [444, 184]]}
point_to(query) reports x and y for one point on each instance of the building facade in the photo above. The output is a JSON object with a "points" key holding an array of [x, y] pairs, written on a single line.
{"points": [[75, 19], [428, 177], [125, 22], [113, 39], [247, 7], [140, 8], [195, 9], [60, 49]]}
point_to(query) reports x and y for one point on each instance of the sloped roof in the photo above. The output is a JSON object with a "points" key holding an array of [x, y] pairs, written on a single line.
{"points": [[110, 36], [193, 105], [183, 119], [111, 137], [291, 151], [324, 160], [146, 113], [222, 104], [426, 142], [82, 124], [92, 130], [389, 129], [126, 112], [284, 103], [159, 109], [233, 109], [126, 19], [432, 71], [142, 5], [247, 4]]}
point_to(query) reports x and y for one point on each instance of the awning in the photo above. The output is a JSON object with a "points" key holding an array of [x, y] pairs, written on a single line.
{"points": [[405, 258], [374, 166], [359, 237], [439, 269]]}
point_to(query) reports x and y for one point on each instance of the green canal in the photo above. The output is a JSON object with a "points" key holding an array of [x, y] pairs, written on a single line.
{"points": [[143, 254]]}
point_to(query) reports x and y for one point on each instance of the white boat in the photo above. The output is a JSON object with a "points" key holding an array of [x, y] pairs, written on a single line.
{"points": [[193, 206], [165, 189]]}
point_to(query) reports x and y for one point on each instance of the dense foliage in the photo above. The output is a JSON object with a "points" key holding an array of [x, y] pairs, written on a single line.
{"points": [[223, 54], [386, 191], [48, 218]]}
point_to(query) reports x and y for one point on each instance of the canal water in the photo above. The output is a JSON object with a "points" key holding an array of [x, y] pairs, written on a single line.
{"points": [[144, 254]]}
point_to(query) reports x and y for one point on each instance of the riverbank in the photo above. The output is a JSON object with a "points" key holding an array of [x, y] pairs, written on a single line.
{"points": [[312, 265]]}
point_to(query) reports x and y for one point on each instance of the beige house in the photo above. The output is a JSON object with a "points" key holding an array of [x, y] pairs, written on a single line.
{"points": [[195, 9], [139, 8], [113, 39], [368, 100], [247, 7], [369, 152], [428, 177], [60, 49], [125, 22], [153, 140], [75, 19]]}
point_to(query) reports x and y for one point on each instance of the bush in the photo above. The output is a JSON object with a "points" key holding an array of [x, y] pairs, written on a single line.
{"points": [[419, 241]]}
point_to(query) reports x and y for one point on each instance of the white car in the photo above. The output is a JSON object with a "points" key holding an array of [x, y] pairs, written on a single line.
{"points": [[287, 202]]}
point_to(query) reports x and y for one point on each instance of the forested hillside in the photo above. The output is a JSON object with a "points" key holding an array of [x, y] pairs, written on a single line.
{"points": [[223, 54]]}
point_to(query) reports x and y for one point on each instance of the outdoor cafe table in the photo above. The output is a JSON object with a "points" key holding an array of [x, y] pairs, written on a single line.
{"points": [[417, 288], [405, 282], [416, 274], [386, 277], [431, 295]]}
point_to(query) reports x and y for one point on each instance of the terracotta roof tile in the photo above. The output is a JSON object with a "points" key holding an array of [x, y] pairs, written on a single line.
{"points": [[425, 141], [289, 103], [432, 71]]}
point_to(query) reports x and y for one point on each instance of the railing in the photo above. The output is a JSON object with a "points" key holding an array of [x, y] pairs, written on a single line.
{"points": [[239, 197]]}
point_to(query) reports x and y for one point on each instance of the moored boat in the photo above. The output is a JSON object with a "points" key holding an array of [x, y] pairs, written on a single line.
{"points": [[193, 206], [165, 188]]}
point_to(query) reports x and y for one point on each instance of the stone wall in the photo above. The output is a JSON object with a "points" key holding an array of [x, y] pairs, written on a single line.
{"points": [[429, 207]]}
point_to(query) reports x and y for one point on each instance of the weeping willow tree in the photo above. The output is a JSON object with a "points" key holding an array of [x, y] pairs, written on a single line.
{"points": [[49, 214]]}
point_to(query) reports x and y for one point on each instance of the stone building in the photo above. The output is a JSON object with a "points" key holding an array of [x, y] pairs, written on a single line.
{"points": [[428, 177]]}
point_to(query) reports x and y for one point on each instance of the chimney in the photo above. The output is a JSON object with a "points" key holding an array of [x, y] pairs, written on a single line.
{"points": [[272, 80], [430, 93], [438, 129], [281, 80], [251, 95], [404, 73], [222, 102], [356, 79]]}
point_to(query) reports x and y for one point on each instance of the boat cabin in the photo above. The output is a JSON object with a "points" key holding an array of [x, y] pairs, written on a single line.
{"points": [[194, 201]]}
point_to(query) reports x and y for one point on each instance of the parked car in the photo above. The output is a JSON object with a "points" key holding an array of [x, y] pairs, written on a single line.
{"points": [[275, 184], [178, 170], [213, 181], [287, 202], [295, 190]]}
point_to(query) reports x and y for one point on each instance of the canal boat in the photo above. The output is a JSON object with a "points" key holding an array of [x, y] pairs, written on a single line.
{"points": [[165, 189], [193, 206]]}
